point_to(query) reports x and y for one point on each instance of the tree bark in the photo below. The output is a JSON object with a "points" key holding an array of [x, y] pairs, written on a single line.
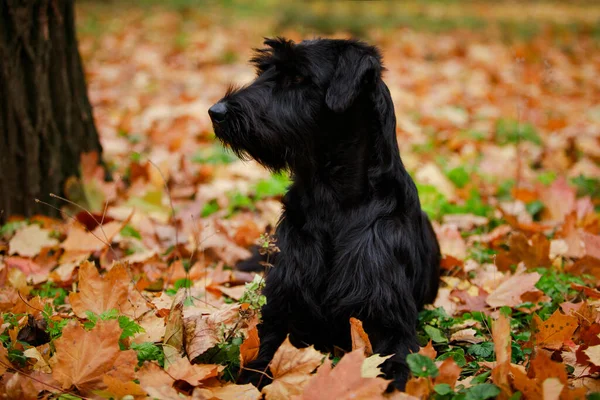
{"points": [[46, 118]]}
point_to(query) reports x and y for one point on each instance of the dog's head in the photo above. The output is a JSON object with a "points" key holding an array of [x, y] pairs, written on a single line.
{"points": [[300, 91]]}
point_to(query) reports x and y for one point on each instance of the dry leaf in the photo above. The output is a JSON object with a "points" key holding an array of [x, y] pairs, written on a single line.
{"points": [[291, 368], [360, 339], [99, 294], [502, 346], [80, 240], [30, 240], [249, 348], [83, 357], [230, 391], [509, 292], [553, 332], [349, 383]]}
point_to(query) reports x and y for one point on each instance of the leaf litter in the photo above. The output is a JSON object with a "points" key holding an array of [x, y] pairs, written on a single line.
{"points": [[134, 295]]}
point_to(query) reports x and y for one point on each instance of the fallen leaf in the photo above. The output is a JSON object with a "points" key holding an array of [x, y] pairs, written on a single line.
{"points": [[418, 387], [80, 240], [466, 335], [249, 348], [360, 339], [99, 294], [30, 240], [83, 358], [553, 332], [502, 346], [428, 351], [349, 383], [449, 372], [509, 292], [371, 366], [119, 389], [291, 368], [230, 391], [156, 382], [204, 331], [183, 370]]}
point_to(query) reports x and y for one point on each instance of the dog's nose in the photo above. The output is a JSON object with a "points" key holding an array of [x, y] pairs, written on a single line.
{"points": [[218, 112]]}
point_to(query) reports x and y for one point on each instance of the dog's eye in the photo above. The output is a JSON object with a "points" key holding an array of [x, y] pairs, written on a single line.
{"points": [[297, 79]]}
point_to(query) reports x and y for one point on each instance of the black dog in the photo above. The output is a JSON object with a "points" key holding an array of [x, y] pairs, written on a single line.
{"points": [[354, 241]]}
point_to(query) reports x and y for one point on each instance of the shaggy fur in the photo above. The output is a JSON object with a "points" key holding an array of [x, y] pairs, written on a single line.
{"points": [[354, 241]]}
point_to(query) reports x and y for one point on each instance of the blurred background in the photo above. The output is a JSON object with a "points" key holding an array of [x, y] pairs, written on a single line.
{"points": [[488, 95]]}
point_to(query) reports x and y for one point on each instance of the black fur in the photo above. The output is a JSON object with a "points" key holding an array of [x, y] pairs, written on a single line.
{"points": [[354, 241]]}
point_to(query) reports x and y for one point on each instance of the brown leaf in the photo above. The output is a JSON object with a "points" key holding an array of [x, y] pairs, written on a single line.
{"points": [[502, 346], [30, 240], [83, 357], [291, 368], [428, 351], [230, 391], [449, 372], [183, 370], [204, 331], [418, 387], [509, 292], [156, 382], [99, 294], [349, 383], [117, 388], [249, 348], [553, 332], [360, 339], [80, 240], [174, 330]]}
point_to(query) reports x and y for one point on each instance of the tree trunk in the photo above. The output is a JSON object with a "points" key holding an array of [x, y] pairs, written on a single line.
{"points": [[45, 116]]}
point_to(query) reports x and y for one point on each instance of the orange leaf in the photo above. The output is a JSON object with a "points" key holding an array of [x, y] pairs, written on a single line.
{"points": [[119, 389], [449, 372], [555, 331], [249, 348], [291, 368], [349, 383], [99, 294], [230, 391], [525, 385], [360, 339], [156, 382], [83, 358], [418, 387], [80, 240], [183, 370], [542, 367], [502, 347], [428, 351]]}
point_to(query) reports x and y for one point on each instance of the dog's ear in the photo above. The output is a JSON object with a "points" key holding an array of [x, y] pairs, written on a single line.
{"points": [[356, 65]]}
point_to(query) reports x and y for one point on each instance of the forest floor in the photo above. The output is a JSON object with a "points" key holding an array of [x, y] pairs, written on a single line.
{"points": [[498, 110]]}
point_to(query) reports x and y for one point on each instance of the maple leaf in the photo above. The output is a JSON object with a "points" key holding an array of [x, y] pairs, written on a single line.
{"points": [[419, 387], [360, 339], [80, 240], [428, 351], [449, 372], [349, 383], [99, 294], [156, 382], [230, 391], [116, 388], [182, 369], [30, 240], [291, 368], [83, 358], [509, 292], [553, 332], [249, 348], [559, 199]]}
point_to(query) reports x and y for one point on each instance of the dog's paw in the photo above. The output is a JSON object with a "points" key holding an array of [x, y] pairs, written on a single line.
{"points": [[252, 374]]}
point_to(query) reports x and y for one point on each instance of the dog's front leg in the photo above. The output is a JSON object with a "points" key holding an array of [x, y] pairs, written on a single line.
{"points": [[272, 331], [400, 346]]}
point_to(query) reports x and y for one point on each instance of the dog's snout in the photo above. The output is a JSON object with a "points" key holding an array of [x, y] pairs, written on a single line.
{"points": [[218, 112]]}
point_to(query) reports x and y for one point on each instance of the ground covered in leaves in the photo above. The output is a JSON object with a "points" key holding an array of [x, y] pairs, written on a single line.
{"points": [[132, 295]]}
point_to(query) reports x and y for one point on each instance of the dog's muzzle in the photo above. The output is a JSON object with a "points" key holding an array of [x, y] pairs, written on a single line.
{"points": [[218, 113]]}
